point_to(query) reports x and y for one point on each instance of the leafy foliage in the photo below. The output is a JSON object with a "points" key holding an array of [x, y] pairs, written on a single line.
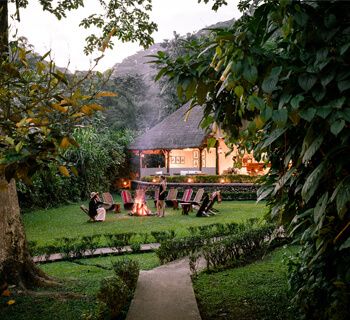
{"points": [[116, 292], [277, 82], [127, 21], [40, 107]]}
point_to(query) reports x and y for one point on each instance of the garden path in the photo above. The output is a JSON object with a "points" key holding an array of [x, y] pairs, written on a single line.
{"points": [[165, 293]]}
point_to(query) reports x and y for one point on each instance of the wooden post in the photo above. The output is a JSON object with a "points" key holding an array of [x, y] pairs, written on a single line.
{"points": [[217, 162], [140, 163], [200, 159], [167, 153]]}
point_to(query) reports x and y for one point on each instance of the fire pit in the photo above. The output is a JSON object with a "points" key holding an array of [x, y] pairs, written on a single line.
{"points": [[140, 207]]}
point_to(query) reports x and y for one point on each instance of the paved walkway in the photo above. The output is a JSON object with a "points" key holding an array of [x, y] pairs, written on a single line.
{"points": [[165, 293]]}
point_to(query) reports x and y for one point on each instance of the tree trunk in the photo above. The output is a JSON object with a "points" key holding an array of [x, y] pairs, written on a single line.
{"points": [[16, 265], [3, 30]]}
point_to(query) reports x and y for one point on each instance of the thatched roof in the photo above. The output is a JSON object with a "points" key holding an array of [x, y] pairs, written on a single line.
{"points": [[174, 132]]}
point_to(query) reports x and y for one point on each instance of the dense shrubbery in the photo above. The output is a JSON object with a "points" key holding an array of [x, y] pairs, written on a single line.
{"points": [[278, 82], [231, 178], [219, 244], [72, 248], [100, 155]]}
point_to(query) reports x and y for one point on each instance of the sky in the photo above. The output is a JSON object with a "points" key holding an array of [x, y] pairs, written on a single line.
{"points": [[66, 39]]}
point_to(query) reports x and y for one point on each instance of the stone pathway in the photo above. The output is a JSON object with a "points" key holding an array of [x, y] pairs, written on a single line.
{"points": [[165, 293]]}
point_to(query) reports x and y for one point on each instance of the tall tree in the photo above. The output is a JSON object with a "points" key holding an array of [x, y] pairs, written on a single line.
{"points": [[279, 80], [38, 110]]}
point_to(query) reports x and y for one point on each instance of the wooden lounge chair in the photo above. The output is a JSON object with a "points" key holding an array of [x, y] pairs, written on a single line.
{"points": [[186, 197], [206, 207], [187, 206], [128, 202], [170, 199], [109, 202], [86, 210]]}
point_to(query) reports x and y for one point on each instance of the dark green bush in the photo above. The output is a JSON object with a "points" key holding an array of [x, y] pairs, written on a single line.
{"points": [[217, 243], [161, 236], [128, 270], [118, 241], [116, 292], [114, 296]]}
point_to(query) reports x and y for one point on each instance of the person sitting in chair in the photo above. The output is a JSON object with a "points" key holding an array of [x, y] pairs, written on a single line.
{"points": [[96, 211]]}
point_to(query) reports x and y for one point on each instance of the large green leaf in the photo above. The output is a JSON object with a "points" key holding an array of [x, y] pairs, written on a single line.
{"points": [[314, 146], [283, 180], [280, 117], [266, 114], [307, 81], [191, 89], [250, 73], [202, 90], [324, 111], [312, 181], [239, 91], [344, 85], [342, 196], [273, 136], [320, 207], [295, 102], [308, 114], [337, 103], [269, 84], [318, 93], [256, 102], [264, 192], [337, 126], [327, 78]]}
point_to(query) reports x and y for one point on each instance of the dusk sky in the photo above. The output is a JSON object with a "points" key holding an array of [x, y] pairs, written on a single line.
{"points": [[66, 39]]}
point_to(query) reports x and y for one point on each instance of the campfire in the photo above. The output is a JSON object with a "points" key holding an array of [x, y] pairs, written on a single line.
{"points": [[140, 206]]}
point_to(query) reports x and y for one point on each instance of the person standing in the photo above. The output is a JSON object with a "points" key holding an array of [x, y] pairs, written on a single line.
{"points": [[161, 197]]}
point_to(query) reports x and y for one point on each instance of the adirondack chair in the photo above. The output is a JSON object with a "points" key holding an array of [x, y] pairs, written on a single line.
{"points": [[128, 202], [170, 200], [187, 206], [186, 197], [206, 208], [109, 202], [86, 210]]}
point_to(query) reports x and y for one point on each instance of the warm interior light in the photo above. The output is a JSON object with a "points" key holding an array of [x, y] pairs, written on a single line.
{"points": [[222, 180], [154, 180], [189, 180], [125, 183]]}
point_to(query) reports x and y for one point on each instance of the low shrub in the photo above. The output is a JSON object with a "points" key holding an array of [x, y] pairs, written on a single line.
{"points": [[230, 178], [116, 292], [233, 249], [128, 270], [161, 236], [113, 295], [118, 241], [218, 244]]}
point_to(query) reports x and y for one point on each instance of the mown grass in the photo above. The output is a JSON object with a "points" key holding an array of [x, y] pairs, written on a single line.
{"points": [[254, 292], [81, 277], [43, 226]]}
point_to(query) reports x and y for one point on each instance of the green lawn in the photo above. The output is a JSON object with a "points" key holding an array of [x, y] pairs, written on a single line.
{"points": [[76, 278], [43, 226], [255, 292]]}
